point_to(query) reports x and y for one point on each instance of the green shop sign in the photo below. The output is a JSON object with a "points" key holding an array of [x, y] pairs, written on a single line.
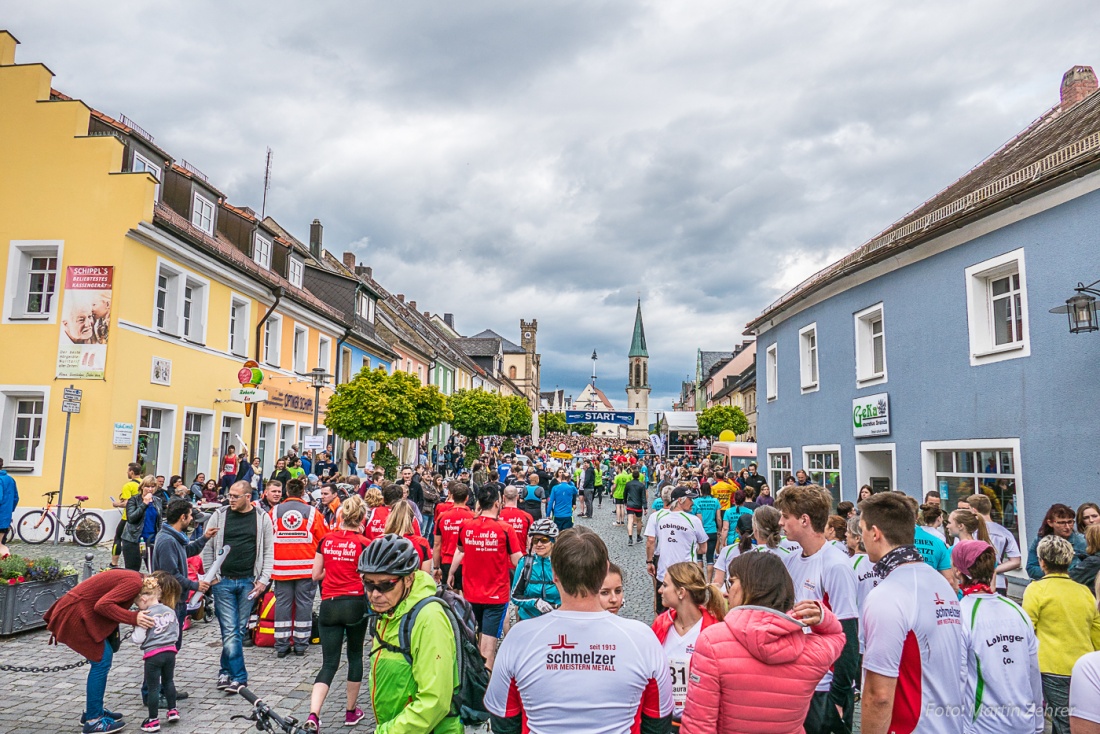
{"points": [[871, 416]]}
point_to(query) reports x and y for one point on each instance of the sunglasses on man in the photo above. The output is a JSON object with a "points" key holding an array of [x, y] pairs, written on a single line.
{"points": [[382, 587]]}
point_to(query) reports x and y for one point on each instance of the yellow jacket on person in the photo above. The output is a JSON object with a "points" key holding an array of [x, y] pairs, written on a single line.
{"points": [[1066, 621]]}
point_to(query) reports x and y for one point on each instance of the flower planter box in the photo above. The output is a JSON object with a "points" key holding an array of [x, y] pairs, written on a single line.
{"points": [[22, 605]]}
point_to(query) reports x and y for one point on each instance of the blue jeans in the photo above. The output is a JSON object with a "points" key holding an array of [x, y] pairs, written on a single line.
{"points": [[97, 684], [429, 524], [232, 605]]}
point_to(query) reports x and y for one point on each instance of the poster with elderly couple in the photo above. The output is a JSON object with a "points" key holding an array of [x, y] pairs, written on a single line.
{"points": [[85, 318]]}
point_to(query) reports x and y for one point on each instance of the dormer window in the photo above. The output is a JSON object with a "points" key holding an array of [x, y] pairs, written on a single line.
{"points": [[364, 306], [295, 271], [202, 214], [141, 163], [261, 252]]}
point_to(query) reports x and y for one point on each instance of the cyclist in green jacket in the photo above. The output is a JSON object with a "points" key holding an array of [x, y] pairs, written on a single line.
{"points": [[408, 699]]}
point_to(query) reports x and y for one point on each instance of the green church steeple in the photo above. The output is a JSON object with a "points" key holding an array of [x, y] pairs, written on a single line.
{"points": [[637, 344]]}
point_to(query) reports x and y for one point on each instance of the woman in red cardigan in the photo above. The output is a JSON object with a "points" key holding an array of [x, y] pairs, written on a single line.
{"points": [[757, 671], [87, 619]]}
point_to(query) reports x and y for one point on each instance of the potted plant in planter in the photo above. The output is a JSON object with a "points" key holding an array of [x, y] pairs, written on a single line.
{"points": [[28, 587]]}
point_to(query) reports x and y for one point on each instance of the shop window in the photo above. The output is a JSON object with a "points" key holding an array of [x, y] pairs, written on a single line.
{"points": [[961, 472], [779, 468], [154, 440], [823, 468]]}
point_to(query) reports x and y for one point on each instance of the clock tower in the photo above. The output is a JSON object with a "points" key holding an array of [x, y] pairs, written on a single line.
{"points": [[528, 335], [637, 382]]}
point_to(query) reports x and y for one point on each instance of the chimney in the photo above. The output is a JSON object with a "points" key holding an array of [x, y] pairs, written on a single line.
{"points": [[349, 261], [449, 320], [315, 231], [401, 297], [412, 305], [1077, 83], [427, 314]]}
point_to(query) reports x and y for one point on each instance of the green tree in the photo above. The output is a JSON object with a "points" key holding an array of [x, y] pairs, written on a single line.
{"points": [[551, 423], [382, 407], [508, 447], [519, 416], [718, 418], [585, 429], [478, 413]]}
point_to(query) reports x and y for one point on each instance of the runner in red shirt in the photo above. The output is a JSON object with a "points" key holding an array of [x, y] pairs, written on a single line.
{"points": [[343, 609], [488, 550], [401, 522], [520, 520], [447, 526], [377, 518]]}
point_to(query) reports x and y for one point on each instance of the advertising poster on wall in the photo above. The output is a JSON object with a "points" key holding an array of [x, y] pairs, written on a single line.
{"points": [[85, 321]]}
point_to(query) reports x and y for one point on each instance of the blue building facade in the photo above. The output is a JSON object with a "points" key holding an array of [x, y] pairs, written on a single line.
{"points": [[929, 361]]}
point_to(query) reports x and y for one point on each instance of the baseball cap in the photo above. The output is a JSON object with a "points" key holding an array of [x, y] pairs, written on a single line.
{"points": [[681, 492], [965, 552]]}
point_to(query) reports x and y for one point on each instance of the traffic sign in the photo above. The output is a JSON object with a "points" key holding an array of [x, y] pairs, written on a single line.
{"points": [[70, 406], [73, 394]]}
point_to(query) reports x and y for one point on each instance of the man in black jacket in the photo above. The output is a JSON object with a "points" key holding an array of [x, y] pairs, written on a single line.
{"points": [[171, 551], [411, 479]]}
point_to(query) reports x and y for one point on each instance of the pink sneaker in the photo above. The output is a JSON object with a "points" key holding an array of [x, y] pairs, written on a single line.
{"points": [[353, 717], [312, 723], [173, 715]]}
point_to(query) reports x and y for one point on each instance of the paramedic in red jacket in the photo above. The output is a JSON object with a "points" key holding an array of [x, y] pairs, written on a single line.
{"points": [[87, 619], [761, 639]]}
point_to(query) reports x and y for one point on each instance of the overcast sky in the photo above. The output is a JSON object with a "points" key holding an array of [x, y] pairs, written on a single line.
{"points": [[554, 160]]}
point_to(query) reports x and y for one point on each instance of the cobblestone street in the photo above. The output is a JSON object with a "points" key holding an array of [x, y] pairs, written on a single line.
{"points": [[53, 702]]}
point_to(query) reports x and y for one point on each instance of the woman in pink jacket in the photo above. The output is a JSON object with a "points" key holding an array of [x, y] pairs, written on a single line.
{"points": [[755, 672]]}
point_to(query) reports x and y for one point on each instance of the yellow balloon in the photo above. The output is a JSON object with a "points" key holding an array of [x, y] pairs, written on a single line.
{"points": [[727, 435]]}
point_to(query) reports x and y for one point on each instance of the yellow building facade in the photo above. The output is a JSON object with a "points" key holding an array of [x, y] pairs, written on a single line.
{"points": [[147, 306]]}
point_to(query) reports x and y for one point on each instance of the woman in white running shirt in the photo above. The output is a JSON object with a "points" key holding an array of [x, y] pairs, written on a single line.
{"points": [[769, 539], [1004, 689], [692, 605]]}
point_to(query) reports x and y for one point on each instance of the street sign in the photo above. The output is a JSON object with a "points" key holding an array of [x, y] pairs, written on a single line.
{"points": [[74, 395], [618, 417], [561, 454], [70, 406], [314, 443]]}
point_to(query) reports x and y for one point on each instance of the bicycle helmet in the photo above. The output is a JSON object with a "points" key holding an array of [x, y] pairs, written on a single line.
{"points": [[390, 554], [545, 526]]}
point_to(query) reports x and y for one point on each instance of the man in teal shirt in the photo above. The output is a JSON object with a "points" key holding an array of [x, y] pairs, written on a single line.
{"points": [[935, 553], [708, 509]]}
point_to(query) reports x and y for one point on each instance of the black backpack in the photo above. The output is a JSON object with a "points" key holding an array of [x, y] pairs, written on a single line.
{"points": [[468, 700]]}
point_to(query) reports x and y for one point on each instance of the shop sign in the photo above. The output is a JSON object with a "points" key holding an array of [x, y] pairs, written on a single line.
{"points": [[290, 401], [871, 416], [248, 395], [124, 434], [85, 322]]}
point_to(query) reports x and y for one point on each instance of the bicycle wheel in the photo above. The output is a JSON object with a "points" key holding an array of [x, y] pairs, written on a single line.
{"points": [[35, 527], [88, 528]]}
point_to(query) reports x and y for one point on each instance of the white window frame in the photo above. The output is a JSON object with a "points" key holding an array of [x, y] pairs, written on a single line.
{"points": [[176, 281], [150, 167], [284, 442], [928, 451], [299, 349], [824, 449], [771, 372], [979, 279], [809, 371], [790, 460], [272, 340], [324, 353], [17, 284], [268, 438], [200, 217], [193, 326], [261, 251], [227, 435], [239, 323], [295, 270], [863, 322], [206, 438], [165, 454], [10, 395]]}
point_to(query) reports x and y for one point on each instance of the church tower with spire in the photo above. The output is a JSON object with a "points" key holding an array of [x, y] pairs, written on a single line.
{"points": [[637, 384]]}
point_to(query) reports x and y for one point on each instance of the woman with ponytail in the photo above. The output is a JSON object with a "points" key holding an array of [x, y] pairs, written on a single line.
{"points": [[692, 605], [967, 525]]}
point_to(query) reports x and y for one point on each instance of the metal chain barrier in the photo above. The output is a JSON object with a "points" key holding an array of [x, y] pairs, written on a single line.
{"points": [[51, 669]]}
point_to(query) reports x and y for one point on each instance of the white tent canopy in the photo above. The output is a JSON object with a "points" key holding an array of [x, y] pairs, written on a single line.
{"points": [[679, 421]]}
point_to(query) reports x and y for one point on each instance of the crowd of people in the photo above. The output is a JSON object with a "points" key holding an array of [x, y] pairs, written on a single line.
{"points": [[831, 603]]}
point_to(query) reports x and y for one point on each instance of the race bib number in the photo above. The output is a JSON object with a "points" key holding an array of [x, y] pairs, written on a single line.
{"points": [[678, 668]]}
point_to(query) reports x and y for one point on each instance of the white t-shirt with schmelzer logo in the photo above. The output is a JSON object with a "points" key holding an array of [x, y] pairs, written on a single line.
{"points": [[677, 534], [616, 664], [912, 623], [827, 577]]}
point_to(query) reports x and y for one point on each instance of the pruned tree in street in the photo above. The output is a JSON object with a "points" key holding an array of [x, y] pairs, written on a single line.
{"points": [[718, 418]]}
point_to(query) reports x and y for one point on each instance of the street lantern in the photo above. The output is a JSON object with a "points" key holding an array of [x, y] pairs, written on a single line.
{"points": [[318, 378], [1080, 308]]}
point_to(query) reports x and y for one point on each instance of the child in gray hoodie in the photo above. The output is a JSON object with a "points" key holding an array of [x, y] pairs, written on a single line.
{"points": [[159, 595]]}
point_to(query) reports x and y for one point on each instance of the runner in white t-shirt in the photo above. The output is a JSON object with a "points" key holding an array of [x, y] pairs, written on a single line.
{"points": [[915, 661], [614, 664], [1084, 694], [822, 572], [1004, 542], [673, 535], [1004, 688]]}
